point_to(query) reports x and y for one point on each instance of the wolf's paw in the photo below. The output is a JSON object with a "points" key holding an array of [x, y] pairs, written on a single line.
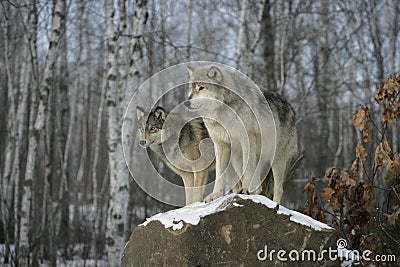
{"points": [[212, 196], [240, 190]]}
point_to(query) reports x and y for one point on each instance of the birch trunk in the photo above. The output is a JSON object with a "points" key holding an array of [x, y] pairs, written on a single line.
{"points": [[188, 29], [57, 17], [22, 106], [390, 22], [135, 59], [96, 153], [269, 45], [118, 172], [320, 70], [77, 95], [242, 21], [116, 212], [8, 184], [259, 29]]}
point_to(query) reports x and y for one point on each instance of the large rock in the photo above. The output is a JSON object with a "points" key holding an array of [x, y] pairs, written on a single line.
{"points": [[235, 230]]}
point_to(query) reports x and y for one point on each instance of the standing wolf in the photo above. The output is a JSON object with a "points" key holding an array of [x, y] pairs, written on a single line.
{"points": [[269, 122], [163, 141]]}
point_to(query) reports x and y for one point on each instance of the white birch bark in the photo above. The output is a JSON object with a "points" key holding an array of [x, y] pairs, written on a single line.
{"points": [[96, 153], [188, 28], [78, 93], [390, 21], [116, 212], [135, 60], [251, 52], [118, 172], [23, 101], [239, 41], [57, 17], [8, 184]]}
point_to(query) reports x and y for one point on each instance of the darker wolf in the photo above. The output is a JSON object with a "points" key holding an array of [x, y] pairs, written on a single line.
{"points": [[218, 93], [163, 142]]}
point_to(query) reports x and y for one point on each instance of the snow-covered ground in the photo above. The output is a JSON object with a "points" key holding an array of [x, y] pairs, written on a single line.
{"points": [[192, 213], [75, 262]]}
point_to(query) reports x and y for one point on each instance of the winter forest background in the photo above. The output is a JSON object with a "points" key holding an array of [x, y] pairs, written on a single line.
{"points": [[69, 67]]}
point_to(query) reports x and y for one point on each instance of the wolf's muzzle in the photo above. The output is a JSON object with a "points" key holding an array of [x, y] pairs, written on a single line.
{"points": [[187, 104], [143, 143]]}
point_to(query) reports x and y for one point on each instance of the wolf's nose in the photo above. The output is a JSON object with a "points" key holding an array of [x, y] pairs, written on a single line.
{"points": [[187, 103], [142, 143]]}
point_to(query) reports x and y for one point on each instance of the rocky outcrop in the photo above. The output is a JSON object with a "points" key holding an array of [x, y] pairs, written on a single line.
{"points": [[235, 230]]}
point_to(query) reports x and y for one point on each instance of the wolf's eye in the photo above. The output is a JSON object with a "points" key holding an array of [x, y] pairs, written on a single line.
{"points": [[200, 88], [152, 129]]}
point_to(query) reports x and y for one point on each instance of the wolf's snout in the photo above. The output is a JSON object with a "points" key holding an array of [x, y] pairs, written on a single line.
{"points": [[187, 104], [142, 143]]}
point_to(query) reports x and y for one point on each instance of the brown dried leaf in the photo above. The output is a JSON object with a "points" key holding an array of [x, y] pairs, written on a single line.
{"points": [[366, 136], [387, 147], [388, 114], [381, 156], [310, 186], [380, 94], [348, 181], [359, 118], [328, 174], [327, 194], [360, 152], [392, 218], [337, 204], [392, 169]]}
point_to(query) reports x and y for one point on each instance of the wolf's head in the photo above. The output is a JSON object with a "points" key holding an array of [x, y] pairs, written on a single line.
{"points": [[150, 126], [205, 82]]}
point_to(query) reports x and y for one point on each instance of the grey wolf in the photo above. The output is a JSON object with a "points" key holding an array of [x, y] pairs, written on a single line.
{"points": [[163, 142], [220, 94]]}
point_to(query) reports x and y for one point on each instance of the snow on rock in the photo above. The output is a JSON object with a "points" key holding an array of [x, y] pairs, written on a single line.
{"points": [[192, 213]]}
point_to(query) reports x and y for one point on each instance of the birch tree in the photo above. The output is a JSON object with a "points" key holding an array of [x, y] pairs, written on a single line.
{"points": [[243, 9], [115, 104], [118, 197], [269, 45], [26, 71], [57, 17], [7, 183]]}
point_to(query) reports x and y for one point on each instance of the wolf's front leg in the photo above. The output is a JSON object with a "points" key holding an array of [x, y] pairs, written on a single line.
{"points": [[188, 182], [200, 179], [222, 154]]}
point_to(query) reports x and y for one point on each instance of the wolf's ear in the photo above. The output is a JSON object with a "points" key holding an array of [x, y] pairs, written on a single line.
{"points": [[215, 74], [189, 69], [139, 112], [160, 113]]}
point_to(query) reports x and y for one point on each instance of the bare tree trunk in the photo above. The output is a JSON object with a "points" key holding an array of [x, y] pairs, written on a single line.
{"points": [[9, 184], [390, 22], [57, 17], [118, 172], [269, 46], [188, 28], [252, 49], [116, 212], [96, 154], [239, 41], [321, 67], [22, 107], [283, 44], [76, 101]]}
